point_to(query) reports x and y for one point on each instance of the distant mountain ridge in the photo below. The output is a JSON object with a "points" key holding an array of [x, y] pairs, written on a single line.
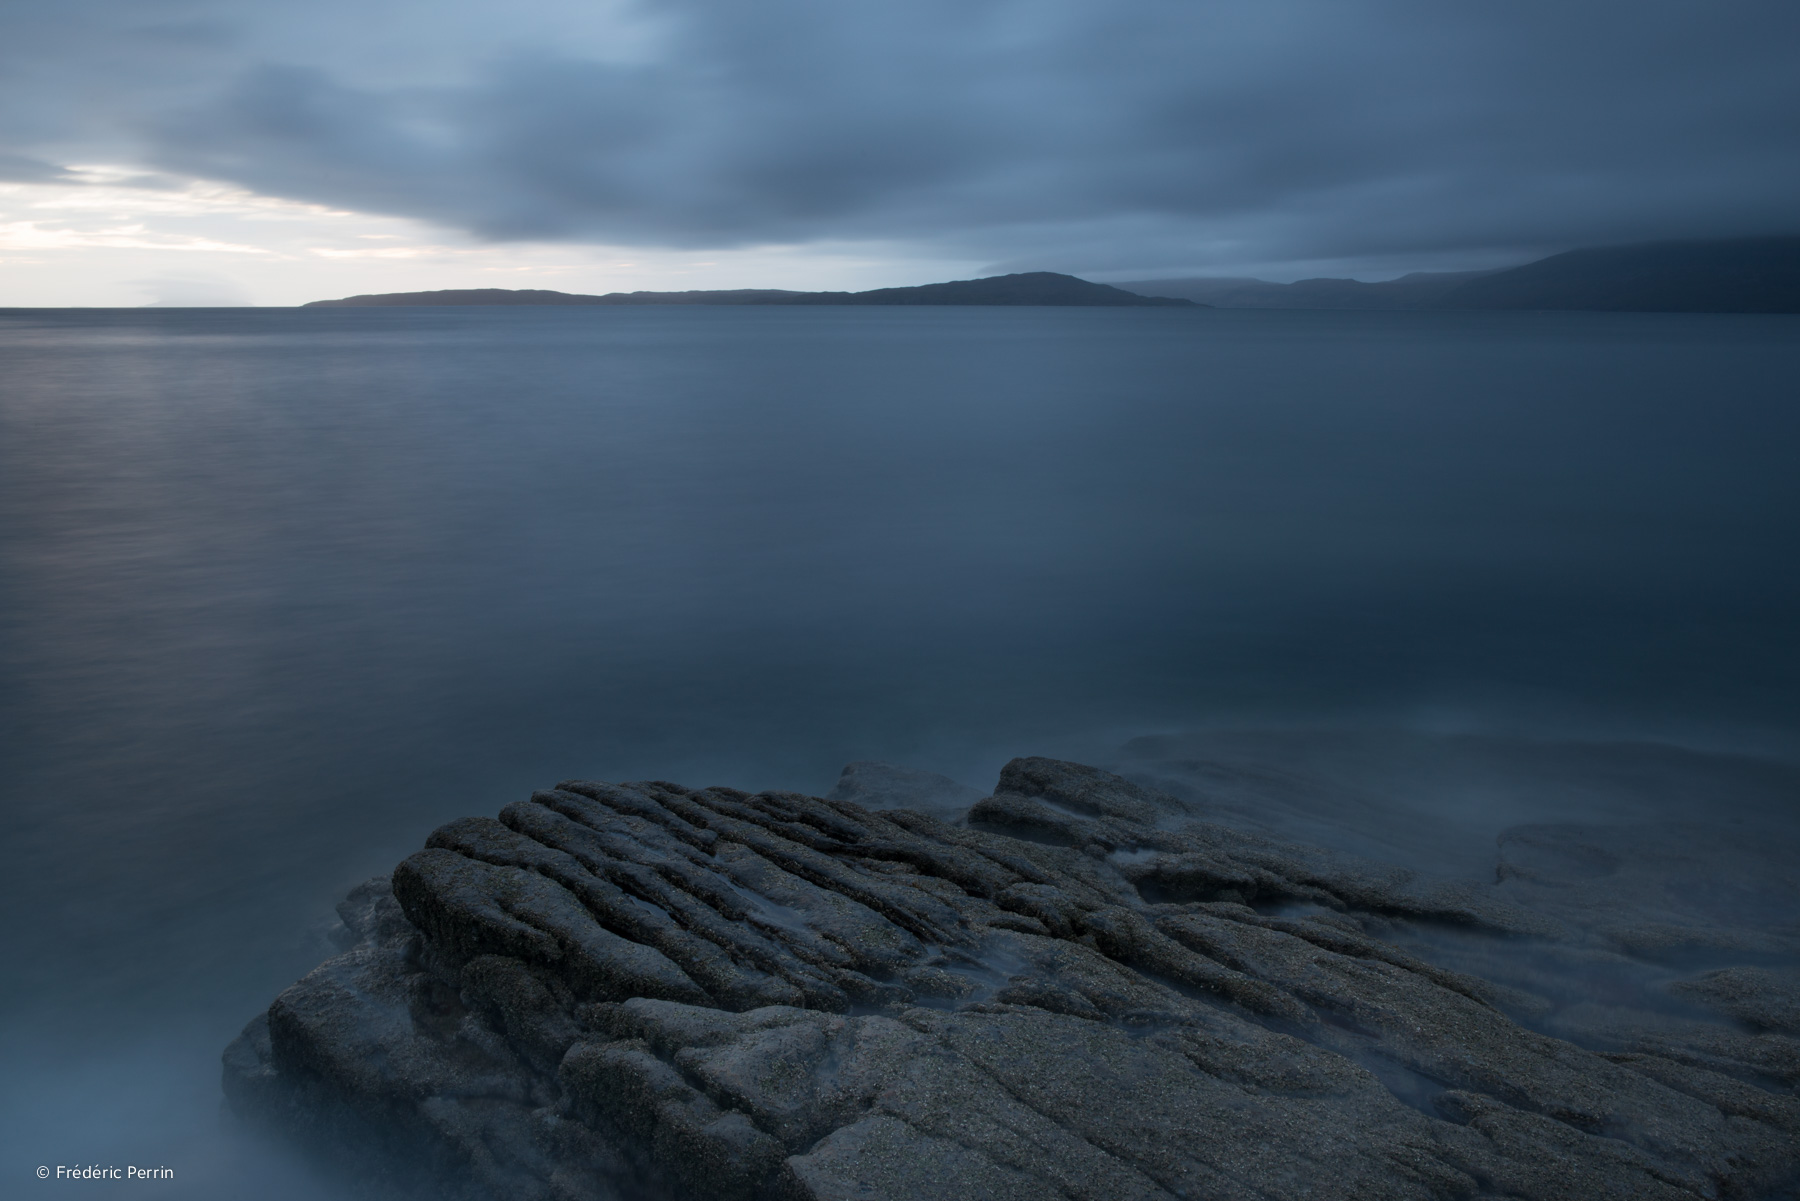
{"points": [[1027, 288], [1732, 275], [1728, 275]]}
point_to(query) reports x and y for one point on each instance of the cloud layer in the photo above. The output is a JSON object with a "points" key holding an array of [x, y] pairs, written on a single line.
{"points": [[1134, 136]]}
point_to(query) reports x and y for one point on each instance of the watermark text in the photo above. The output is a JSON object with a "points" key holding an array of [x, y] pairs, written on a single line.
{"points": [[94, 1171]]}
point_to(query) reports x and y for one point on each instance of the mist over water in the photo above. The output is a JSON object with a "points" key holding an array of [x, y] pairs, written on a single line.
{"points": [[282, 590]]}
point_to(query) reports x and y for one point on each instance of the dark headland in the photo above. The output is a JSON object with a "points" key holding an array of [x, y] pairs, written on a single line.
{"points": [[1028, 288], [1736, 275]]}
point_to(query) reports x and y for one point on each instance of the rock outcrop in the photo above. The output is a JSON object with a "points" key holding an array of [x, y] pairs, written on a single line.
{"points": [[1084, 990]]}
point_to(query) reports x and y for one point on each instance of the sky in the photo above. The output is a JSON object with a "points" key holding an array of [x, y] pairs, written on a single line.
{"points": [[194, 152]]}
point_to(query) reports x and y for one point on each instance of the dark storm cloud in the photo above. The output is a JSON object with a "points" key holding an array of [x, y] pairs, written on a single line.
{"points": [[1135, 134]]}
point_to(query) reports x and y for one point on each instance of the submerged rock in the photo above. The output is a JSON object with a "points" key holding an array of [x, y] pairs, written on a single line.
{"points": [[1087, 991], [876, 785]]}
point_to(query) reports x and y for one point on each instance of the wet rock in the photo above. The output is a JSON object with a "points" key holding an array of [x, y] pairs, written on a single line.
{"points": [[1757, 997], [1089, 990], [1660, 891]]}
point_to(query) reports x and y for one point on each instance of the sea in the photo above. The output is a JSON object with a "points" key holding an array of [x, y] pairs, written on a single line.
{"points": [[283, 589]]}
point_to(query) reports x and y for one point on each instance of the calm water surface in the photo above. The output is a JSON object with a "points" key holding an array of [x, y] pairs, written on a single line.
{"points": [[280, 590]]}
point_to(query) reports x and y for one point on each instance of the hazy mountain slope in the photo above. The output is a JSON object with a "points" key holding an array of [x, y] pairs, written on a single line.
{"points": [[1739, 275]]}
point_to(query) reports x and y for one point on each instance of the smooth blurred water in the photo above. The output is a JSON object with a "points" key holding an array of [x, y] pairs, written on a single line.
{"points": [[282, 589]]}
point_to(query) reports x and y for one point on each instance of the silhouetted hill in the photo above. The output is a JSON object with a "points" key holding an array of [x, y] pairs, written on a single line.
{"points": [[542, 296], [1029, 288], [1420, 290], [1737, 275]]}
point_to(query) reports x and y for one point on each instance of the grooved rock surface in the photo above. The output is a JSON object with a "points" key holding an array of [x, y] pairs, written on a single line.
{"points": [[1086, 990]]}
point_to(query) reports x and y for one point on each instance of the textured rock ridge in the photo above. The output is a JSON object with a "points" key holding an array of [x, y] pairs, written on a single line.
{"points": [[1085, 991]]}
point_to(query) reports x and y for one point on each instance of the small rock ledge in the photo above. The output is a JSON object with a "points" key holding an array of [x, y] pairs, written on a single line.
{"points": [[1084, 991]]}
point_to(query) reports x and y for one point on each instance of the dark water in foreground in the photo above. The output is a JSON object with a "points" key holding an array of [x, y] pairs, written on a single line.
{"points": [[281, 590]]}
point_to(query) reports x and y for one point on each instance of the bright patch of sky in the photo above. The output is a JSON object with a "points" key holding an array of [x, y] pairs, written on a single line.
{"points": [[120, 239]]}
